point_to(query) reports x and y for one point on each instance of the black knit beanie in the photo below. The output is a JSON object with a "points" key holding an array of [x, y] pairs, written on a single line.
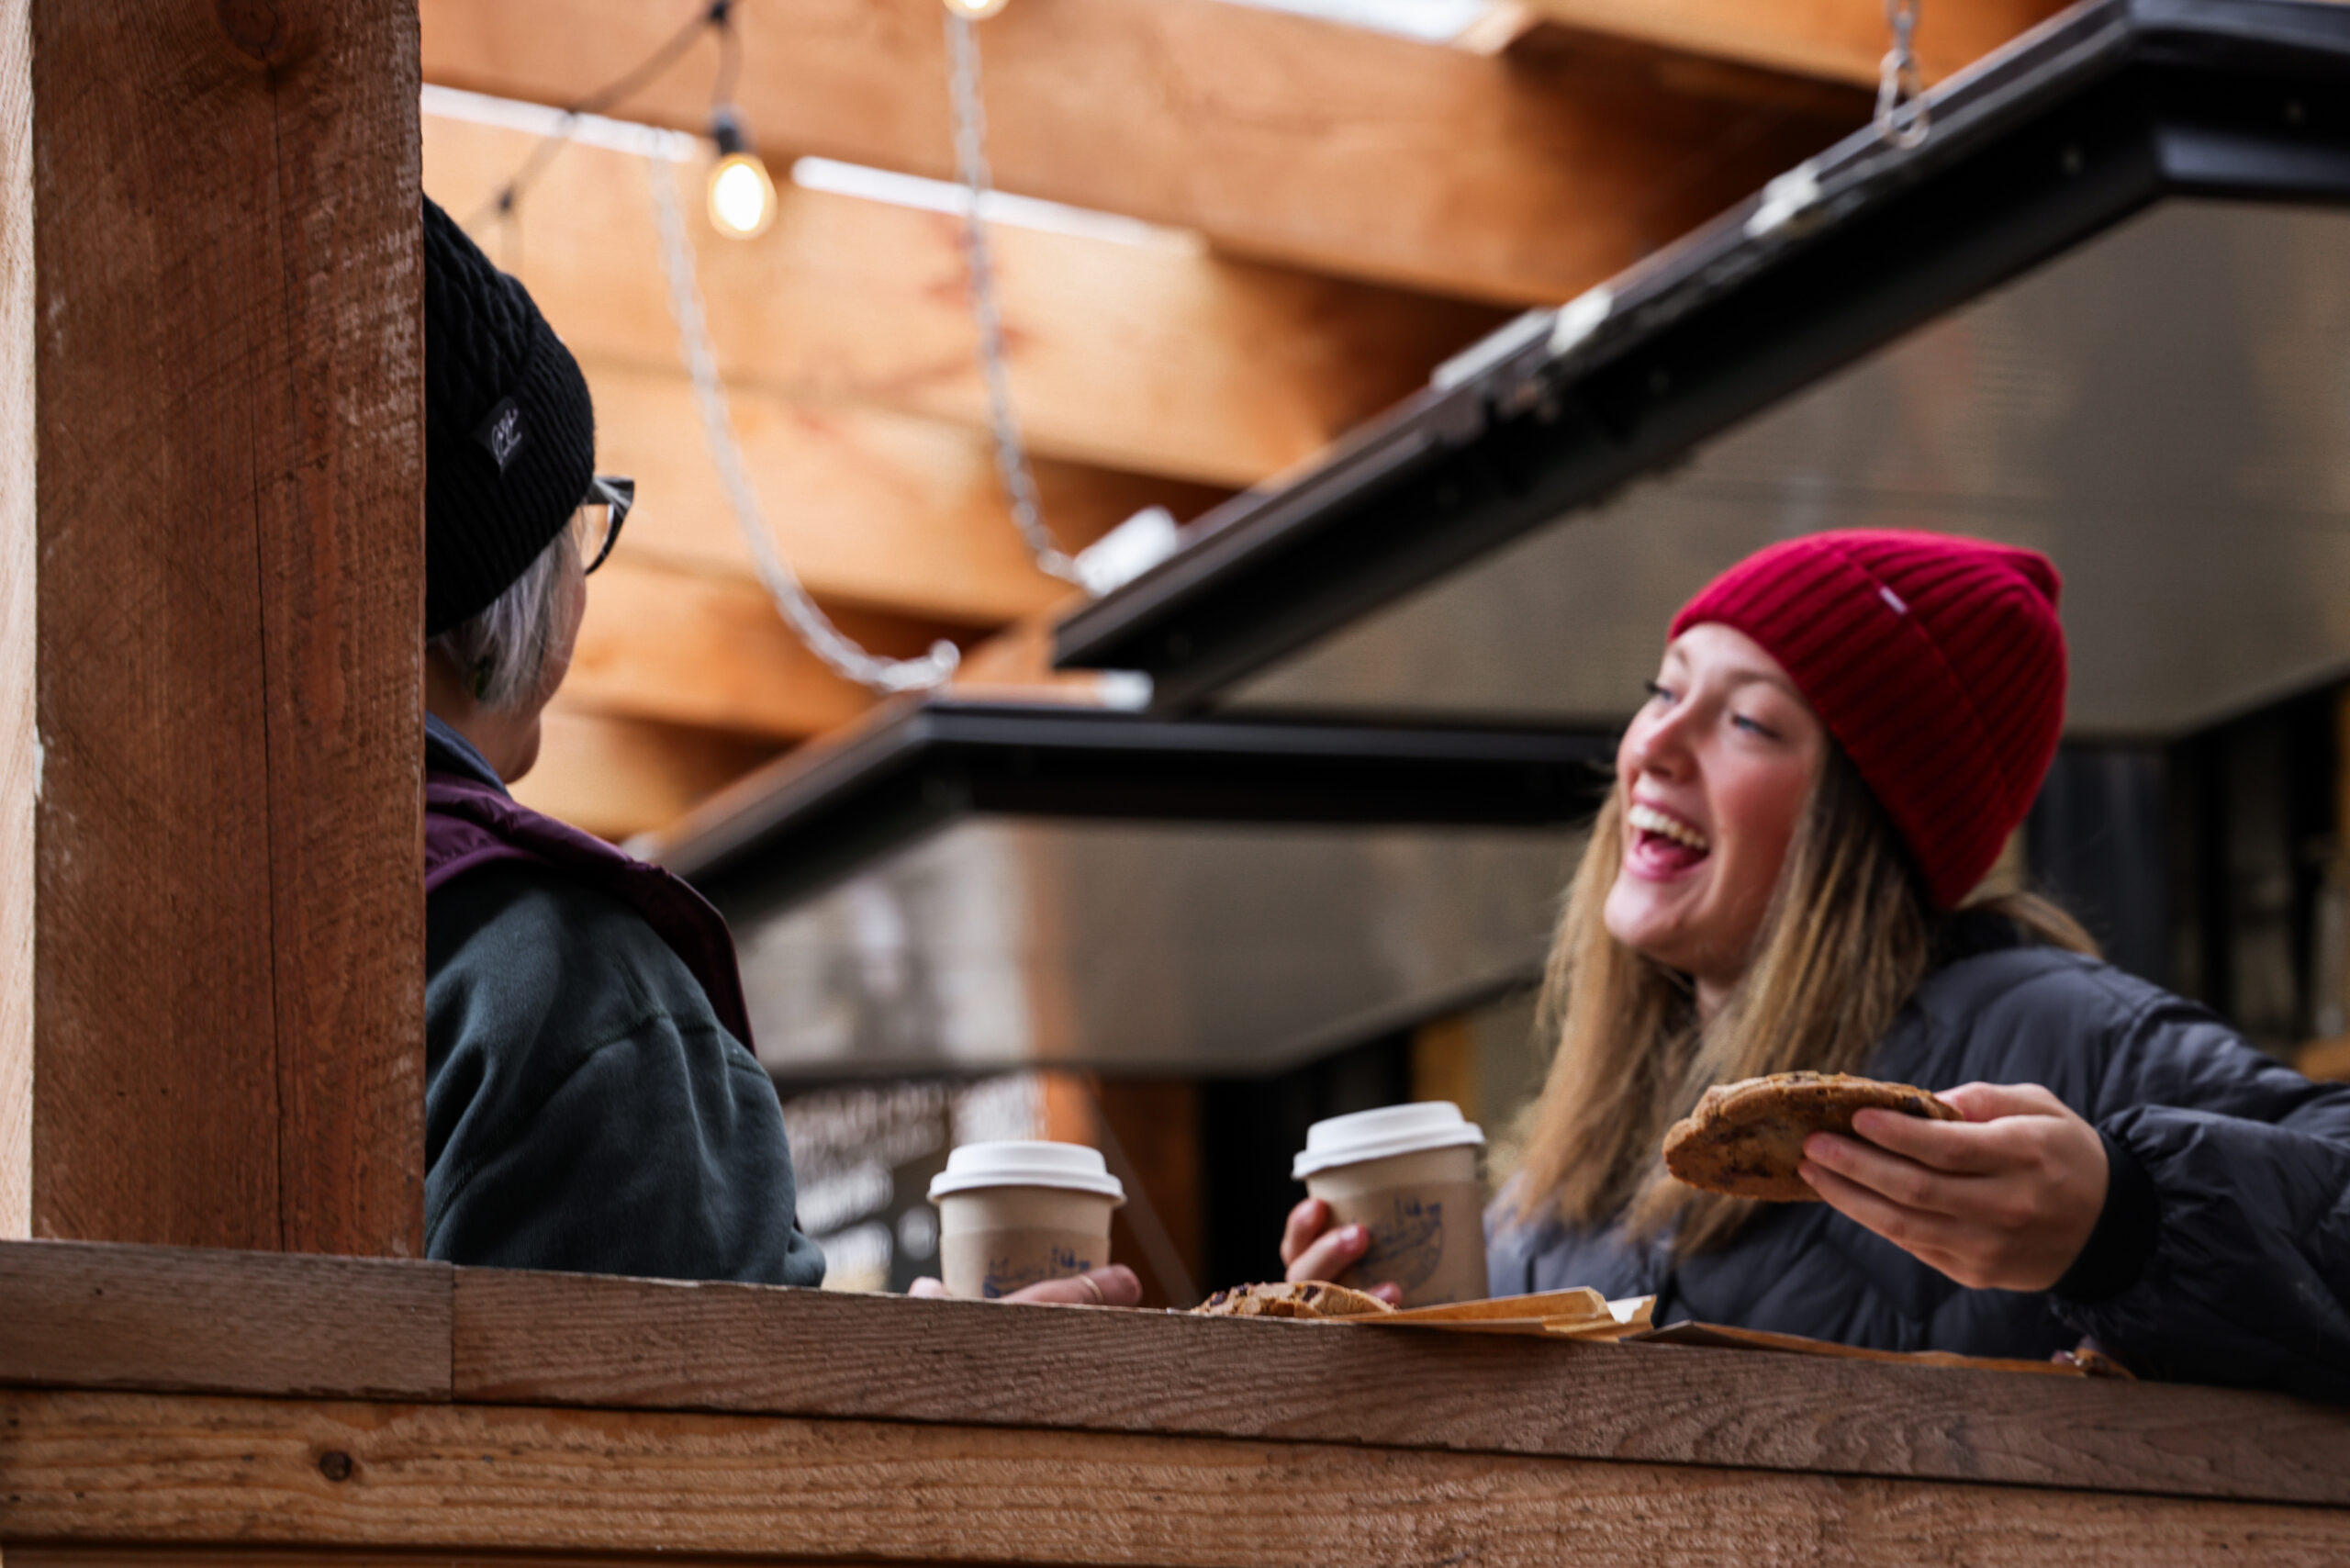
{"points": [[509, 432]]}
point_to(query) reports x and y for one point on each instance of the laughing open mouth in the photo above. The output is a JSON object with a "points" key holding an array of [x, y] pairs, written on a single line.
{"points": [[1666, 841]]}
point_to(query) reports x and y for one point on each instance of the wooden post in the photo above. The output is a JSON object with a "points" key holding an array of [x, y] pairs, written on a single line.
{"points": [[19, 756], [227, 300]]}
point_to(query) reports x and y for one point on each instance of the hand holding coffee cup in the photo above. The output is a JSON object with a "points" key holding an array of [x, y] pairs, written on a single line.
{"points": [[1113, 1286], [1029, 1221], [1315, 1246], [1397, 1206]]}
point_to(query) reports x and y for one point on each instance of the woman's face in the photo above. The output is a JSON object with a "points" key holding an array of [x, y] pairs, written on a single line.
{"points": [[1715, 771]]}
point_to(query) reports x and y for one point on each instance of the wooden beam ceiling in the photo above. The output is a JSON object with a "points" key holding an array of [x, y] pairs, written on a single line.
{"points": [[1149, 359], [875, 510], [896, 523], [1145, 374], [617, 777], [690, 648], [1824, 41], [1274, 135]]}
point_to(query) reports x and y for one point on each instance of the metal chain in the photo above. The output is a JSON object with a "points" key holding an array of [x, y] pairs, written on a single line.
{"points": [[1903, 118], [971, 162], [808, 622]]}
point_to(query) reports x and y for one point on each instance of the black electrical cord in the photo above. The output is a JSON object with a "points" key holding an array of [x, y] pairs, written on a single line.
{"points": [[718, 14], [730, 54]]}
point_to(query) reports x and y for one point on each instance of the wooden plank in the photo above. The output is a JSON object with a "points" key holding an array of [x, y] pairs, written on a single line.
{"points": [[229, 1011], [130, 1468], [690, 648], [1155, 1125], [617, 778], [51, 1554], [874, 509], [93, 1315], [1154, 359], [1133, 357], [1277, 136], [544, 1338], [1532, 42], [19, 747], [1825, 40]]}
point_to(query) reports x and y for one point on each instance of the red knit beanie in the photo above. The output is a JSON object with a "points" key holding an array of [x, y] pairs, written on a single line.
{"points": [[1936, 663]]}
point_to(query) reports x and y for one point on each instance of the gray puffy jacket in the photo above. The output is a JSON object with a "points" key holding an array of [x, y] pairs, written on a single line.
{"points": [[2223, 1251]]}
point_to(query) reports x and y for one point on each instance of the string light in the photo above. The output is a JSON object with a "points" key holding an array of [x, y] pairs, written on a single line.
{"points": [[742, 197], [801, 612], [742, 193]]}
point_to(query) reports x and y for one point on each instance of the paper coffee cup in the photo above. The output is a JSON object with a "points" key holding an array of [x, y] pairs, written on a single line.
{"points": [[1407, 1173], [1013, 1215]]}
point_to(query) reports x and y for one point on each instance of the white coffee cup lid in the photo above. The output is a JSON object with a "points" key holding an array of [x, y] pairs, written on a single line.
{"points": [[1071, 1166], [1388, 1131]]}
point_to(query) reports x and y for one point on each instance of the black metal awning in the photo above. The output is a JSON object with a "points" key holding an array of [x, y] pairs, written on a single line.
{"points": [[973, 887], [2225, 107], [2104, 310]]}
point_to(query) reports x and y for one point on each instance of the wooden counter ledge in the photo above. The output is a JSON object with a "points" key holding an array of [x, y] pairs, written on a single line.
{"points": [[200, 1399]]}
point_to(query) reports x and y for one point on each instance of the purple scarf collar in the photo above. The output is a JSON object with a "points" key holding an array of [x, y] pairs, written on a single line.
{"points": [[469, 824]]}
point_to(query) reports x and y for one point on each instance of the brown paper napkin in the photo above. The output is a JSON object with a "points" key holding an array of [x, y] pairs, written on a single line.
{"points": [[1576, 1314]]}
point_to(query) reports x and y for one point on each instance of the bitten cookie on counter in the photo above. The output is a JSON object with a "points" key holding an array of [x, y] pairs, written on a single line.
{"points": [[1308, 1298]]}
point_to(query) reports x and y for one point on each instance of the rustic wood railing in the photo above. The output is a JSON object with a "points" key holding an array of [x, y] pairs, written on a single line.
{"points": [[177, 1403]]}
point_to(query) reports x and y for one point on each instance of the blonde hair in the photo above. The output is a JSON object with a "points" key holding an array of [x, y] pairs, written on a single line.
{"points": [[1848, 936]]}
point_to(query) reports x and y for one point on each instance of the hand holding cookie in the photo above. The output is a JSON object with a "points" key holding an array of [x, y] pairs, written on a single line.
{"points": [[2004, 1200]]}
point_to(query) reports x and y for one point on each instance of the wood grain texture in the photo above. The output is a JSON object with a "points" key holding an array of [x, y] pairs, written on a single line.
{"points": [[1278, 137], [1155, 1125], [131, 1467], [544, 1338], [1157, 359], [617, 777], [1519, 32], [52, 1554], [1828, 41], [19, 746], [341, 563], [692, 647], [187, 1318], [229, 1010], [882, 511]]}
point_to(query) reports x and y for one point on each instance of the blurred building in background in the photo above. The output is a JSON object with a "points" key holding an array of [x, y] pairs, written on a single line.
{"points": [[1277, 828]]}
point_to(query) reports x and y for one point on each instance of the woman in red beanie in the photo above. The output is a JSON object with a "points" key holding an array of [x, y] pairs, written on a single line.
{"points": [[1844, 731]]}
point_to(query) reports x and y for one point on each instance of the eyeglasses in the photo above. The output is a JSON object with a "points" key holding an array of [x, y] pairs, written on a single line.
{"points": [[606, 507]]}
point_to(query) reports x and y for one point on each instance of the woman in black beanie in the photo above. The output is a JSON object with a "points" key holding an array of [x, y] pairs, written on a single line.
{"points": [[591, 1100]]}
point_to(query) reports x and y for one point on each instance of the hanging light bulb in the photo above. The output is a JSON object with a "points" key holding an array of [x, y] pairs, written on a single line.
{"points": [[742, 196], [974, 10]]}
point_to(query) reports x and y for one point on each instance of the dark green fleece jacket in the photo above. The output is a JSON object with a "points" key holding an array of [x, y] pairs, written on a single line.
{"points": [[585, 1110]]}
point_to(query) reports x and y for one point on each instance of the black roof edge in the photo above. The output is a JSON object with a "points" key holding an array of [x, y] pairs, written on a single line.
{"points": [[2081, 123], [820, 813]]}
